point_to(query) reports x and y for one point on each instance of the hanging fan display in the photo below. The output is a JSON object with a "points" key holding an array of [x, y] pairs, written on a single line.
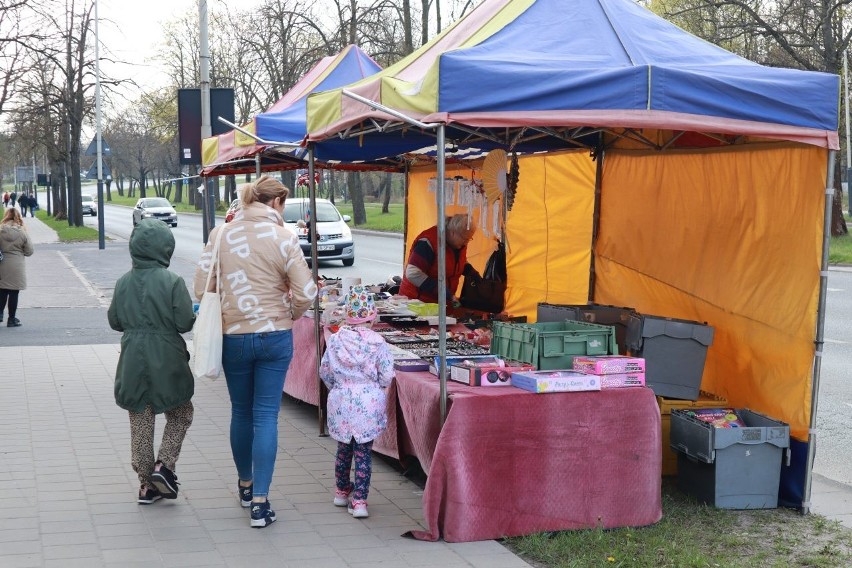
{"points": [[514, 175], [493, 174]]}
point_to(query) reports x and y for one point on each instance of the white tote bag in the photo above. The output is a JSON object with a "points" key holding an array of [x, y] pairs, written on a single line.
{"points": [[207, 334]]}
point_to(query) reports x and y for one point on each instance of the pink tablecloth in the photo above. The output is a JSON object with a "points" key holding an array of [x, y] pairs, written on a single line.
{"points": [[511, 463], [302, 382]]}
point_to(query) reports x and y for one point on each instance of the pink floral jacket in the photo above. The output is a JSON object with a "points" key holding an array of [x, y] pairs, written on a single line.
{"points": [[357, 367]]}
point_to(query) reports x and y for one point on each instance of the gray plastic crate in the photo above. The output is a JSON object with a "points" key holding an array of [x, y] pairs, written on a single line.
{"points": [[674, 350], [602, 314], [730, 468]]}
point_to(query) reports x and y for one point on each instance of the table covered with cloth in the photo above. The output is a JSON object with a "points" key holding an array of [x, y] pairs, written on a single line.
{"points": [[508, 462]]}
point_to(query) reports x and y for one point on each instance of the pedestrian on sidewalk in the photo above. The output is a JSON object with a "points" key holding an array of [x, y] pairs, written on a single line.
{"points": [[24, 203], [13, 197], [266, 285], [15, 245], [152, 307], [357, 367], [5, 199]]}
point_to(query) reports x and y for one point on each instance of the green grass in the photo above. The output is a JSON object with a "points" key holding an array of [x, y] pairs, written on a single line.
{"points": [[393, 221], [840, 250], [67, 234], [692, 535]]}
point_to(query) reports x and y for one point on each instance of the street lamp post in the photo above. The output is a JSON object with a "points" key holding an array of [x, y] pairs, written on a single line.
{"points": [[99, 141]]}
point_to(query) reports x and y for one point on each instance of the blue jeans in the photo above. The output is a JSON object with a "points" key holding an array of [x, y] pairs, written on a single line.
{"points": [[255, 365]]}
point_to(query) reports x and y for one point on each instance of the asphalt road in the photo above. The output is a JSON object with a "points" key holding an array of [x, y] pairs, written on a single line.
{"points": [[376, 256]]}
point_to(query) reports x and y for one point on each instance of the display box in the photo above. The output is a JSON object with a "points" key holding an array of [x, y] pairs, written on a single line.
{"points": [[551, 345], [730, 468], [616, 316], [487, 375], [555, 381], [609, 364], [705, 400], [411, 365], [621, 380], [492, 360], [674, 351]]}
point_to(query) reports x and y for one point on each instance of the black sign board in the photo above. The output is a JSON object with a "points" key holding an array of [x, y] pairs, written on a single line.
{"points": [[189, 120]]}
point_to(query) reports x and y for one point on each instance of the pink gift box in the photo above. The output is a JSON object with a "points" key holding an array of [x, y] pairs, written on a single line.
{"points": [[620, 380], [609, 365]]}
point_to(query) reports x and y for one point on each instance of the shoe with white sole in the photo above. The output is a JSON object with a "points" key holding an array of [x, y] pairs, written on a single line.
{"points": [[358, 509]]}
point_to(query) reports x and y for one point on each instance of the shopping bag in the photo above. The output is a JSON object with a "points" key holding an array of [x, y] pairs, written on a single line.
{"points": [[207, 332], [486, 293]]}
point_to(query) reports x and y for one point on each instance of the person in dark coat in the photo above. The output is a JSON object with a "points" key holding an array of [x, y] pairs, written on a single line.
{"points": [[24, 204], [15, 245], [13, 198], [152, 307]]}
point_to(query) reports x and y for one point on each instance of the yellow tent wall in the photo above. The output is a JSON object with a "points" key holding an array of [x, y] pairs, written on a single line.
{"points": [[549, 228], [732, 237]]}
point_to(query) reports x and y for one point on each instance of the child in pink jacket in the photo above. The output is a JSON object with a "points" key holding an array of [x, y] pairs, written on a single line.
{"points": [[357, 367]]}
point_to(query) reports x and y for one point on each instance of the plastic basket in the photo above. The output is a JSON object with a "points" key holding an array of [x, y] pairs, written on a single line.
{"points": [[551, 345]]}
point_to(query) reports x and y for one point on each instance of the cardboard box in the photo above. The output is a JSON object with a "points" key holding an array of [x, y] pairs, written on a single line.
{"points": [[609, 364], [487, 375], [555, 381]]}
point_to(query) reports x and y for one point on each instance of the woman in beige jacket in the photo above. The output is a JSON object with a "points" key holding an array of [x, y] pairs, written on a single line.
{"points": [[15, 245], [265, 286]]}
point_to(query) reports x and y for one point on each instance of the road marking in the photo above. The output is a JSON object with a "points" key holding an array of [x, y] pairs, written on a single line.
{"points": [[88, 285], [835, 341], [377, 260], [835, 289]]}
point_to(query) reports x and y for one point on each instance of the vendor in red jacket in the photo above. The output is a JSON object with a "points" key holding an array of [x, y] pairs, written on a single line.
{"points": [[421, 272]]}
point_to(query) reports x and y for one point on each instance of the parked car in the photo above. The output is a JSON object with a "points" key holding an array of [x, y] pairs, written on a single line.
{"points": [[156, 208], [232, 210], [90, 206], [335, 238]]}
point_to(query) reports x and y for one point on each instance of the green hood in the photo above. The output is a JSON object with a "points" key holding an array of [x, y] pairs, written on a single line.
{"points": [[151, 244]]}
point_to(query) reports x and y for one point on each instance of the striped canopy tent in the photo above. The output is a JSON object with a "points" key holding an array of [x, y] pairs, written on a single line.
{"points": [[657, 171], [284, 122]]}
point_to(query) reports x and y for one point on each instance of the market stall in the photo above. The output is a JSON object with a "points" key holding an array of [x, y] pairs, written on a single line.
{"points": [[698, 190]]}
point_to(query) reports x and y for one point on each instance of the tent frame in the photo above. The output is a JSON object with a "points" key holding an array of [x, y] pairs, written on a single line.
{"points": [[514, 137]]}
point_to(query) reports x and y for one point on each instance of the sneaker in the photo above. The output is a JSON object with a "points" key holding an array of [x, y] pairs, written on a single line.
{"points": [[341, 498], [165, 481], [13, 322], [262, 515], [148, 495], [245, 495], [358, 509]]}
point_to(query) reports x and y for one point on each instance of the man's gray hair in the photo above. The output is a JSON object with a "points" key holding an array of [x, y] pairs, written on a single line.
{"points": [[458, 224]]}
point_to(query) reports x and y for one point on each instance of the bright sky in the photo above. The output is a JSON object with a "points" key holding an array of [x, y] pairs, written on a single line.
{"points": [[132, 31]]}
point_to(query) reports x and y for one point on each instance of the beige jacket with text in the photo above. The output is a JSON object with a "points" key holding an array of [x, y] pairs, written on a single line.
{"points": [[266, 282]]}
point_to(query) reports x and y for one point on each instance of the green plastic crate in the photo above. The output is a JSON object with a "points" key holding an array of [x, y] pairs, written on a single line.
{"points": [[551, 345]]}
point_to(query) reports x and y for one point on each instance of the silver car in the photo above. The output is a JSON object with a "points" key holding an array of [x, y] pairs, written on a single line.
{"points": [[335, 237], [155, 208], [90, 206]]}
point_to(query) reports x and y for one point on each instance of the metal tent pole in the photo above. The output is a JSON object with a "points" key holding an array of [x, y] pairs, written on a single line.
{"points": [[442, 274], [820, 332], [312, 189]]}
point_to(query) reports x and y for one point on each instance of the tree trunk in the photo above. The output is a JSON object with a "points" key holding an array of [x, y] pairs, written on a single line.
{"points": [[838, 223], [386, 182], [356, 193]]}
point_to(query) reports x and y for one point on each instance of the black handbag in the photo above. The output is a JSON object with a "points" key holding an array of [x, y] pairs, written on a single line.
{"points": [[486, 293]]}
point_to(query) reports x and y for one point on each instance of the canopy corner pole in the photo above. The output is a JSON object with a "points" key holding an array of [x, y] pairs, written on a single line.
{"points": [[820, 332], [442, 273], [257, 164], [312, 190], [393, 112]]}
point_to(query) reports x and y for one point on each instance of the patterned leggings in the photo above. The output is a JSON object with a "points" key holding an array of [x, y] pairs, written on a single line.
{"points": [[363, 454], [178, 421]]}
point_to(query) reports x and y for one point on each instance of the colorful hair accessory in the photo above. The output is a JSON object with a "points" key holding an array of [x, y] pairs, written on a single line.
{"points": [[360, 307]]}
